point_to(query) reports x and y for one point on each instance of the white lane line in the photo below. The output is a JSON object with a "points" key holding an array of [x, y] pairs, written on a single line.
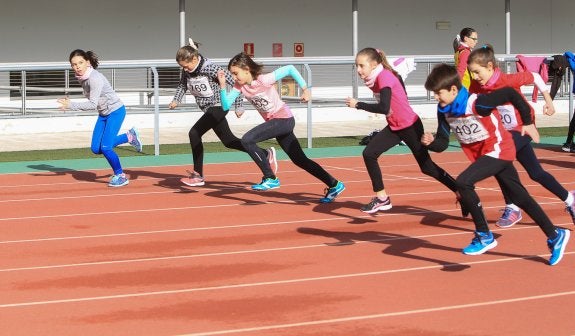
{"points": [[240, 252], [384, 315], [242, 226], [257, 284]]}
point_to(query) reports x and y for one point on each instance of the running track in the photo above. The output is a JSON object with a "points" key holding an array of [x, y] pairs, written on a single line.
{"points": [[156, 258]]}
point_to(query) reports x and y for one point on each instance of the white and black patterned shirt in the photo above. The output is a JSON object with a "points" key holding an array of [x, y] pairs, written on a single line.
{"points": [[203, 84]]}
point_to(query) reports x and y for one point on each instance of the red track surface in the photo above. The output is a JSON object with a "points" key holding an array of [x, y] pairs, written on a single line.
{"points": [[156, 258]]}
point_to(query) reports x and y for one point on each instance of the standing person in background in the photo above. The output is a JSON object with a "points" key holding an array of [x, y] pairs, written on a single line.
{"points": [[111, 112], [568, 146], [279, 123], [491, 151], [487, 77], [462, 46], [403, 124], [200, 77]]}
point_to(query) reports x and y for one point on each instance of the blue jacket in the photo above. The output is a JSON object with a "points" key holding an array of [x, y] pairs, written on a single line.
{"points": [[571, 59]]}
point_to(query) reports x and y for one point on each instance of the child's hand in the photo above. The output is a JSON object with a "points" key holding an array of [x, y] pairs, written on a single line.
{"points": [[222, 78], [305, 96], [427, 138], [173, 105], [350, 102], [532, 131], [64, 103], [548, 109]]}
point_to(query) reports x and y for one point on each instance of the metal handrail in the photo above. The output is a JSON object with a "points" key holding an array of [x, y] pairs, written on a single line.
{"points": [[154, 65]]}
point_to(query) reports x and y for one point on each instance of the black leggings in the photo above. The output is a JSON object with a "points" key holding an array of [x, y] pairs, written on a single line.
{"points": [[571, 131], [526, 156], [411, 135], [282, 130], [506, 174], [214, 118]]}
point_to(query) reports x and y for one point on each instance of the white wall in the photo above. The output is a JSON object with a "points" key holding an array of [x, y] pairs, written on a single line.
{"points": [[132, 29]]}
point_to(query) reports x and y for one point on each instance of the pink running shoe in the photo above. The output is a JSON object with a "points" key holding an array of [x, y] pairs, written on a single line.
{"points": [[194, 180], [509, 217]]}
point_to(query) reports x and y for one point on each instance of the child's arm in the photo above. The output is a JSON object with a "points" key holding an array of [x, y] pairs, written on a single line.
{"points": [[96, 86], [180, 91], [382, 107], [548, 108], [226, 97], [486, 103], [290, 70], [440, 142]]}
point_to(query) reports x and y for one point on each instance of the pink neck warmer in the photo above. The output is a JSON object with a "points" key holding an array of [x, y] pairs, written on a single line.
{"points": [[370, 80]]}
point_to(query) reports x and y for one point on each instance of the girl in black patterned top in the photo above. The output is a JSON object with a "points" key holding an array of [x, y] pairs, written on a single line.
{"points": [[200, 77]]}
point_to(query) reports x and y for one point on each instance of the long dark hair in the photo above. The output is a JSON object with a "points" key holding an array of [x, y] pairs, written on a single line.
{"points": [[244, 61], [89, 56], [465, 32]]}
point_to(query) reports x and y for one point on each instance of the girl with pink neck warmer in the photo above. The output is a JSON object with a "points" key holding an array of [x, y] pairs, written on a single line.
{"points": [[402, 125]]}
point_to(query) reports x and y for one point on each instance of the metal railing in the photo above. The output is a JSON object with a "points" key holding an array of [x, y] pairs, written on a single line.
{"points": [[141, 80]]}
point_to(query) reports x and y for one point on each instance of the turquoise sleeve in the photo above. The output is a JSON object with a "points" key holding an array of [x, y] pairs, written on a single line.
{"points": [[228, 98], [290, 70]]}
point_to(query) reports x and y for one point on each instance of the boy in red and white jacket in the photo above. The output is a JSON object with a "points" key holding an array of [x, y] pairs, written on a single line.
{"points": [[477, 125]]}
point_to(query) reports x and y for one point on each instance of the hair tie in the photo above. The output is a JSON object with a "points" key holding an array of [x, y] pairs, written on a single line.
{"points": [[378, 51], [485, 46], [192, 44], [458, 38]]}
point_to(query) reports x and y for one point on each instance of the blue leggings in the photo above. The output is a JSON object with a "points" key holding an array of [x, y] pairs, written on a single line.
{"points": [[105, 137]]}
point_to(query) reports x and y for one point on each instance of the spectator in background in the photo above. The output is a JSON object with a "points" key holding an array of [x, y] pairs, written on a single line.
{"points": [[462, 46]]}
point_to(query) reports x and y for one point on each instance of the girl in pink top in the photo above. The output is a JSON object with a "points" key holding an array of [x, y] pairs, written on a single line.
{"points": [[402, 125], [259, 90]]}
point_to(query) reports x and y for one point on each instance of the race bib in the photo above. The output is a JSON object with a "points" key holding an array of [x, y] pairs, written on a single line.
{"points": [[262, 103], [468, 129], [508, 116], [200, 87]]}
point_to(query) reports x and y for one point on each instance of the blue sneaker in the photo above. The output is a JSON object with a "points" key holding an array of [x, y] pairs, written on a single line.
{"points": [[557, 246], [481, 243], [267, 184], [119, 180], [135, 139], [332, 193]]}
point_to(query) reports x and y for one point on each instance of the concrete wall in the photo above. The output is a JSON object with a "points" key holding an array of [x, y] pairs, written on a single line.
{"points": [[132, 29]]}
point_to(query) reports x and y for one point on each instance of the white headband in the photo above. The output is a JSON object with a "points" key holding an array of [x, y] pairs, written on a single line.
{"points": [[192, 44]]}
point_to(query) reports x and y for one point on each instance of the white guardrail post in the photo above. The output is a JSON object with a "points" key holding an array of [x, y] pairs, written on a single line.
{"points": [[309, 110], [156, 111]]}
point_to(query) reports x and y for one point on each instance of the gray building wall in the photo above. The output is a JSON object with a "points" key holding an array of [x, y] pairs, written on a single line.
{"points": [[130, 29]]}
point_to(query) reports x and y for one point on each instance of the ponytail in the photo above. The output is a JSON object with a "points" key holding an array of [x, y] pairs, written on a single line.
{"points": [[378, 55]]}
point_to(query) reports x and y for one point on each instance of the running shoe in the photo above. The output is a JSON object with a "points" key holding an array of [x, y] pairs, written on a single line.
{"points": [[119, 180], [376, 205], [482, 242], [134, 139], [571, 209], [267, 184], [272, 159], [568, 147], [332, 193], [509, 217], [193, 180], [557, 246]]}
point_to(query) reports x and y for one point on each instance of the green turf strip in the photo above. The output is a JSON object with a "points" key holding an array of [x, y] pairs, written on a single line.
{"points": [[83, 159]]}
